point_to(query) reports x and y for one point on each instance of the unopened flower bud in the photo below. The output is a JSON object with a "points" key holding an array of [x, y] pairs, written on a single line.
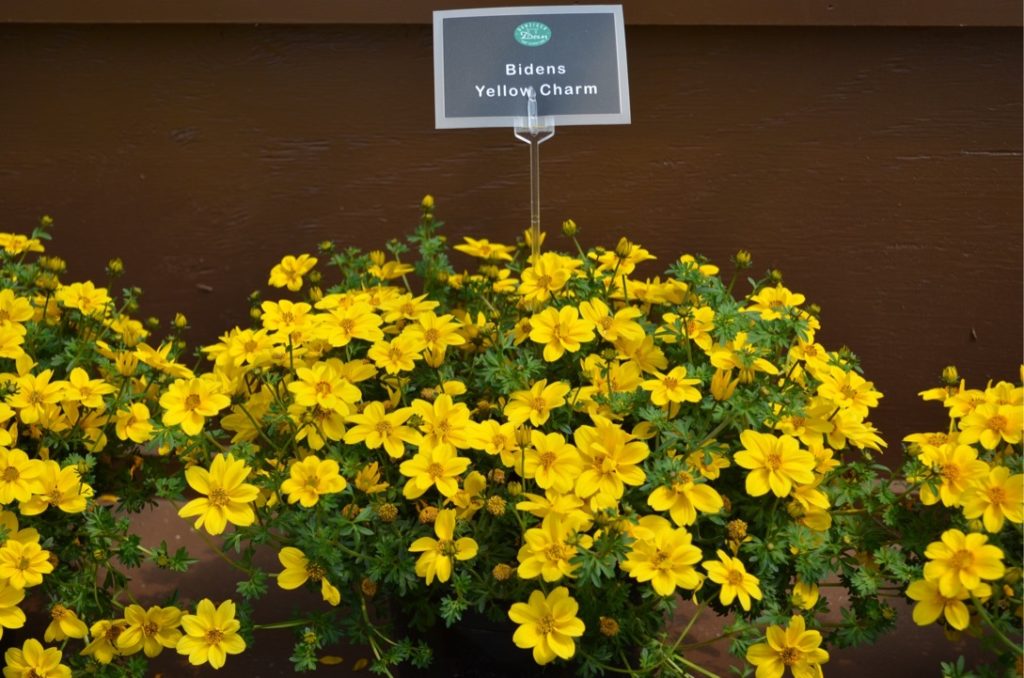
{"points": [[387, 512], [609, 627], [623, 248], [502, 572], [569, 228], [309, 637], [180, 321], [368, 587], [775, 275], [326, 246], [152, 323], [315, 294], [46, 221], [314, 277], [497, 476], [428, 514], [115, 267], [950, 375], [496, 506], [723, 385], [427, 203], [428, 393], [742, 259], [350, 511], [255, 313]]}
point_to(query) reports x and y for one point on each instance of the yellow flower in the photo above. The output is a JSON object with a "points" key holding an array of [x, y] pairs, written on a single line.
{"points": [[723, 385], [11, 616], [32, 661], [368, 479], [298, 570], [227, 496], [311, 478], [546, 550], [547, 275], [709, 463], [14, 309], [794, 648], [59, 487], [152, 629], [289, 271], [775, 463], [621, 325], [406, 307], [684, 498], [376, 428], [322, 386], [133, 424], [437, 554], [64, 624], [805, 595], [343, 324], [997, 498], [696, 327], [931, 604], [547, 624], [673, 387], [991, 423], [496, 438], [89, 392], [958, 466], [535, 405], [433, 467], [157, 358], [772, 302], [735, 580], [189, 402], [84, 296], [444, 423], [15, 243], [23, 565], [742, 356], [211, 634], [667, 559], [35, 392], [398, 355], [560, 331], [18, 474], [485, 249], [611, 459], [552, 462], [848, 390], [961, 561], [437, 333]]}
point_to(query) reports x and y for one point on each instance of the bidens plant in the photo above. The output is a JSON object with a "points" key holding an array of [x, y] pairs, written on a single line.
{"points": [[556, 442]]}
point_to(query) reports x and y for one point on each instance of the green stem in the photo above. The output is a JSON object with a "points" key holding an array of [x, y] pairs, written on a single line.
{"points": [[699, 669], [995, 629], [290, 624]]}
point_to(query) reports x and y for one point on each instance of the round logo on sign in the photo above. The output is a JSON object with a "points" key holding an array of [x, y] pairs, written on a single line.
{"points": [[532, 34]]}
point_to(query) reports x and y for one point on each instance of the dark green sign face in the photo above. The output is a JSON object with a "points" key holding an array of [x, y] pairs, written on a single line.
{"points": [[487, 61]]}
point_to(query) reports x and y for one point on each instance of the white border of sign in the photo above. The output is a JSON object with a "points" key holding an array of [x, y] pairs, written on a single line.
{"points": [[621, 118]]}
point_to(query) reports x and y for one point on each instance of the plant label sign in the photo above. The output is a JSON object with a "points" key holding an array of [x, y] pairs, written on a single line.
{"points": [[487, 60]]}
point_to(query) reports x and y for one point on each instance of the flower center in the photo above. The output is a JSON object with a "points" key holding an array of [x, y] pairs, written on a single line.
{"points": [[347, 325], [55, 497], [735, 577], [149, 629], [670, 383], [950, 472], [544, 281], [961, 559], [312, 481], [658, 558], [539, 404], [218, 497], [446, 547], [192, 401], [395, 354], [773, 461], [11, 474], [431, 335], [58, 612], [996, 495], [323, 388], [315, 572], [790, 656], [384, 428], [546, 625], [997, 423], [214, 637], [435, 471], [556, 552], [548, 459], [250, 346]]}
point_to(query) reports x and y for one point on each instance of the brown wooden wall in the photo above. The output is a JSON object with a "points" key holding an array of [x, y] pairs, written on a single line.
{"points": [[878, 167]]}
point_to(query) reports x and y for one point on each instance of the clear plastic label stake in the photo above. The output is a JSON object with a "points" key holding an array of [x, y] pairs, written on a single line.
{"points": [[534, 131]]}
